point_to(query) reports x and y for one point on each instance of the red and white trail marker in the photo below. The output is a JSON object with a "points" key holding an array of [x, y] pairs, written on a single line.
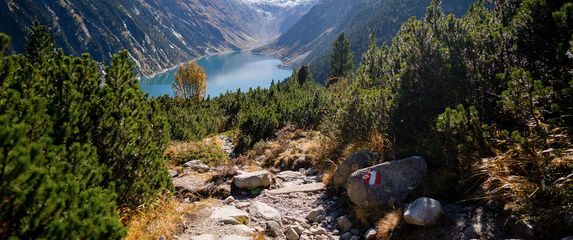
{"points": [[372, 178]]}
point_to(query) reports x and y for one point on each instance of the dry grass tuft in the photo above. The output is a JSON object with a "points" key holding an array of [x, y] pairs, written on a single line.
{"points": [[258, 236], [208, 151], [164, 218], [387, 224]]}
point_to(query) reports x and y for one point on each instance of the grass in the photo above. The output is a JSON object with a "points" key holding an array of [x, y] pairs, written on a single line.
{"points": [[209, 151], [164, 218], [387, 224]]}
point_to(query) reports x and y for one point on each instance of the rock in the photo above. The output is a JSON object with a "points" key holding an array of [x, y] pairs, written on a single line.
{"points": [[229, 200], [243, 230], [228, 221], [318, 231], [344, 224], [198, 166], [253, 180], [234, 237], [568, 238], [304, 237], [355, 231], [298, 229], [242, 204], [161, 238], [346, 236], [203, 237], [370, 234], [423, 212], [358, 160], [389, 183], [291, 234], [273, 229], [355, 237], [263, 211], [316, 215], [288, 175], [226, 213], [173, 173], [310, 172], [320, 237]]}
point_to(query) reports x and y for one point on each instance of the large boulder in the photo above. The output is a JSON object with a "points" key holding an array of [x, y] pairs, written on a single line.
{"points": [[423, 212], [356, 161], [263, 211], [386, 184], [229, 215], [198, 166], [253, 180]]}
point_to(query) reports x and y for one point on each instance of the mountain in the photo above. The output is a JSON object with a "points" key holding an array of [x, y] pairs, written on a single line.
{"points": [[310, 39], [157, 33]]}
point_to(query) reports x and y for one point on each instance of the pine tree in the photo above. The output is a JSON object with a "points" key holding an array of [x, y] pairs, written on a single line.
{"points": [[39, 43], [342, 58], [304, 75]]}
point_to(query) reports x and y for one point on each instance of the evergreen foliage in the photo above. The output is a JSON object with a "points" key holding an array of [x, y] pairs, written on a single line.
{"points": [[487, 94], [76, 144], [342, 58]]}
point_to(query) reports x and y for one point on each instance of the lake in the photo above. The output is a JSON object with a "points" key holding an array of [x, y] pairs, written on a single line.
{"points": [[225, 72]]}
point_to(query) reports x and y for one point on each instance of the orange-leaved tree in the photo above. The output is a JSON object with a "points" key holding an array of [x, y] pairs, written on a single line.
{"points": [[190, 82]]}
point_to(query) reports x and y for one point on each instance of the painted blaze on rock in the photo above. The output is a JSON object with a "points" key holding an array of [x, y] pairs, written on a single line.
{"points": [[386, 184]]}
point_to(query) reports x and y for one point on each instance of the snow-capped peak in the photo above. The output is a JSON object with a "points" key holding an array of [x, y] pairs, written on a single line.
{"points": [[279, 3]]}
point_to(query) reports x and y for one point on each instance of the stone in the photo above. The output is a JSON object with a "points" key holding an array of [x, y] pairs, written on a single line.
{"points": [[318, 231], [203, 237], [424, 212], [263, 211], [229, 200], [304, 237], [344, 224], [291, 234], [355, 231], [259, 179], [228, 221], [390, 183], [242, 204], [310, 172], [356, 161], [568, 238], [225, 213], [243, 230], [316, 215], [273, 229], [298, 229], [161, 238], [173, 173], [235, 237], [346, 236], [370, 234], [355, 237], [198, 166], [321, 237], [288, 175]]}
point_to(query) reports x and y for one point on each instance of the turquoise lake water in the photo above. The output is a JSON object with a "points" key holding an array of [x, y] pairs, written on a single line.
{"points": [[226, 72]]}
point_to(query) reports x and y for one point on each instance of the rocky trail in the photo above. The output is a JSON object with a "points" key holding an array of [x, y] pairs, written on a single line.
{"points": [[255, 203]]}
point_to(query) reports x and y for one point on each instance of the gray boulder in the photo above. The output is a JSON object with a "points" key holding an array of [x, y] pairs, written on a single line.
{"points": [[263, 211], [344, 224], [386, 184], [423, 212], [316, 215], [291, 234], [358, 160], [198, 166], [253, 180]]}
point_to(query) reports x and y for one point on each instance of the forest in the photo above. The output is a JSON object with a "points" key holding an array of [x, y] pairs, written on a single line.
{"points": [[486, 97]]}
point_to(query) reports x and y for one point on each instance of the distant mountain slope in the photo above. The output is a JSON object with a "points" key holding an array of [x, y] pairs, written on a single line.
{"points": [[157, 33], [310, 39]]}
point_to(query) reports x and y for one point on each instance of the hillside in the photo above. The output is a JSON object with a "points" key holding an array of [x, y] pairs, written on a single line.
{"points": [[158, 34], [310, 39]]}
